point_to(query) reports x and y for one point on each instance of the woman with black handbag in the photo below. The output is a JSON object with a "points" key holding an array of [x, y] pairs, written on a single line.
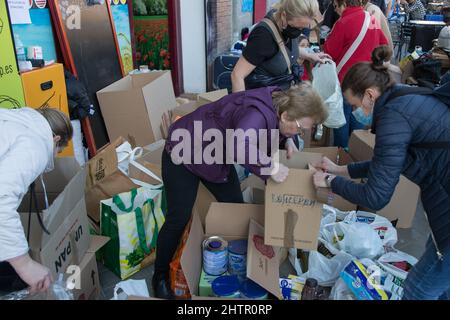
{"points": [[272, 50], [270, 57]]}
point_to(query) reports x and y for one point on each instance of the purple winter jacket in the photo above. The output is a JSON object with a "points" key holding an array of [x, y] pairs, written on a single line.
{"points": [[251, 109]]}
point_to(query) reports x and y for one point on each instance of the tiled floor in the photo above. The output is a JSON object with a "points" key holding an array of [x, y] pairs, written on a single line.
{"points": [[411, 241]]}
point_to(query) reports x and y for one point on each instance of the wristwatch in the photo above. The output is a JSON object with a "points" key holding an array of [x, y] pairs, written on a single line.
{"points": [[328, 179]]}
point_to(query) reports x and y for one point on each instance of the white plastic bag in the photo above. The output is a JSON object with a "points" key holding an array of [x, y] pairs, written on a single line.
{"points": [[125, 153], [341, 291], [356, 238], [326, 82], [136, 288], [384, 228], [326, 270], [395, 276]]}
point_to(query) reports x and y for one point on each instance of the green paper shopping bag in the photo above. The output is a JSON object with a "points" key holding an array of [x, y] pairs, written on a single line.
{"points": [[132, 220]]}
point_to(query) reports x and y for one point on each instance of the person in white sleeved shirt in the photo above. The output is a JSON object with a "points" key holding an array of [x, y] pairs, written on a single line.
{"points": [[29, 141]]}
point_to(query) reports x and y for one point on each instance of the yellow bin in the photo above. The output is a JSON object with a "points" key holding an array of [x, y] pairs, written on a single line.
{"points": [[47, 86]]}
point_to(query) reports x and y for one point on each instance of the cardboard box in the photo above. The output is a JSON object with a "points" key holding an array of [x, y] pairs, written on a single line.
{"points": [[55, 182], [292, 212], [313, 156], [325, 195], [230, 221], [88, 286], [263, 261], [361, 145], [253, 190], [66, 220], [134, 105], [403, 204], [208, 97], [104, 179], [169, 117]]}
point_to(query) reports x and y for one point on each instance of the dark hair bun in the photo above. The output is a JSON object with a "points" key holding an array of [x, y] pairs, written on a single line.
{"points": [[380, 55]]}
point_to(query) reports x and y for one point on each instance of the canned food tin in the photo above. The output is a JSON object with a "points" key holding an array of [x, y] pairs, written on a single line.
{"points": [[226, 287], [252, 290], [215, 256], [237, 257]]}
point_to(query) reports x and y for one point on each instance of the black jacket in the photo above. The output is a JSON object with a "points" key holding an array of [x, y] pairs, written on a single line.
{"points": [[400, 123]]}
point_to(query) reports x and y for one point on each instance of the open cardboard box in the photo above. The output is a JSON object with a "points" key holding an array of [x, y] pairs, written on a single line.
{"points": [[232, 221], [66, 220], [134, 105], [89, 286], [208, 97], [403, 204], [292, 212], [55, 182]]}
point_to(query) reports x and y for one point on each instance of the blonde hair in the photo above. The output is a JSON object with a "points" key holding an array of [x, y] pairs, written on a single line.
{"points": [[297, 8], [300, 101], [59, 123]]}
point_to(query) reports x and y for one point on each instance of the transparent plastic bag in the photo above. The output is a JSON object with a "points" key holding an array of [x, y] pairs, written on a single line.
{"points": [[326, 82], [57, 291]]}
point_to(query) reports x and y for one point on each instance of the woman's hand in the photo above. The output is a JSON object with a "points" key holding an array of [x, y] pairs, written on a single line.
{"points": [[290, 147], [37, 276], [281, 174], [320, 57], [320, 179], [329, 166]]}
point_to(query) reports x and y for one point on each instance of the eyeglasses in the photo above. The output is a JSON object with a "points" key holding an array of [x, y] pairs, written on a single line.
{"points": [[301, 131]]}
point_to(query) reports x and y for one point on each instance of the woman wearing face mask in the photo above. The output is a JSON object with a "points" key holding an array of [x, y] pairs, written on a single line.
{"points": [[262, 55], [352, 40], [29, 141], [264, 114], [413, 139]]}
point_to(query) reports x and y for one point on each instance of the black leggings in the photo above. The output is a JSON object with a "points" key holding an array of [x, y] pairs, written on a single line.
{"points": [[181, 188]]}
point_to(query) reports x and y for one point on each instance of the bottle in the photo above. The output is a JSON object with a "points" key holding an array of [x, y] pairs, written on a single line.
{"points": [[310, 289], [20, 49]]}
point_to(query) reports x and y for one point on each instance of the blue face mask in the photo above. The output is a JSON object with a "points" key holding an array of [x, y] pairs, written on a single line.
{"points": [[362, 118]]}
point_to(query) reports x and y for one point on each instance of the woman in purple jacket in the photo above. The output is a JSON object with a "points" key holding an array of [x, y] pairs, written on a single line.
{"points": [[245, 128]]}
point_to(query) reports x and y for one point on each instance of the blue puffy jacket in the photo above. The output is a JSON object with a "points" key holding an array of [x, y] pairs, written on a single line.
{"points": [[400, 123]]}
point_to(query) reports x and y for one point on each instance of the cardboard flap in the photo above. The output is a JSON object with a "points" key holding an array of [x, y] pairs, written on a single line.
{"points": [[263, 261], [208, 97], [299, 160], [65, 202], [191, 259], [253, 182], [292, 212], [159, 98], [329, 152], [97, 242], [232, 219], [361, 145], [140, 80], [123, 84]]}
